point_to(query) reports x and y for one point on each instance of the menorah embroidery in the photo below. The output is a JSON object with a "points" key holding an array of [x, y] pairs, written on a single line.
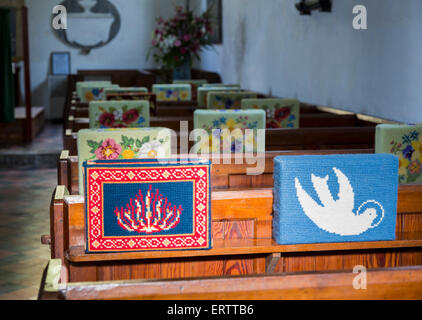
{"points": [[152, 215]]}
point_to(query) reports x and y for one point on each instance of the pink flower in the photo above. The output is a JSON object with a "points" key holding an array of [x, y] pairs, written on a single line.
{"points": [[187, 37], [177, 43], [183, 50], [109, 150]]}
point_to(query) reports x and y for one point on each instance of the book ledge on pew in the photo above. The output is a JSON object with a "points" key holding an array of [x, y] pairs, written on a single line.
{"points": [[248, 246], [408, 194]]}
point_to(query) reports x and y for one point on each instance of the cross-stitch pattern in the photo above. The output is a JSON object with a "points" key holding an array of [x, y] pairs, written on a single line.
{"points": [[135, 96], [280, 113], [195, 84], [172, 92], [228, 100], [404, 141], [119, 114], [81, 84], [94, 92], [155, 214], [203, 93], [142, 205], [231, 120], [119, 144], [335, 198]]}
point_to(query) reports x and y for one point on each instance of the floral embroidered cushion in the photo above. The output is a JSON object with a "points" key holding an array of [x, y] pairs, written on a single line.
{"points": [[280, 113], [228, 100], [81, 84], [119, 114], [404, 141], [335, 198], [203, 93], [136, 96], [172, 92], [147, 205], [195, 84], [94, 92], [115, 144], [236, 138]]}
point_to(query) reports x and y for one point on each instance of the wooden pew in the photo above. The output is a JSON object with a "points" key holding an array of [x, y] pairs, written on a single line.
{"points": [[242, 245], [381, 284], [226, 173], [173, 123], [289, 139], [306, 121], [80, 110], [124, 78]]}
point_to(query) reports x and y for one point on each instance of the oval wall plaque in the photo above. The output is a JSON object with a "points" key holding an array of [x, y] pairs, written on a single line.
{"points": [[90, 24]]}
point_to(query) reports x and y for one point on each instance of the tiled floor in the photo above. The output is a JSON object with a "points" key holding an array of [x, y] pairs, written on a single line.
{"points": [[25, 197]]}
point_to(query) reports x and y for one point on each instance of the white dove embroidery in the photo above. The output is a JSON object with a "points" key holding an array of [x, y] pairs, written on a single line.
{"points": [[337, 216]]}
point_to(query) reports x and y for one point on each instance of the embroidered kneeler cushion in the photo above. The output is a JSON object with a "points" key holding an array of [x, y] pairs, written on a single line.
{"points": [[108, 91], [81, 84], [120, 144], [119, 114], [235, 139], [335, 198], [94, 92], [404, 141], [172, 92], [195, 84], [136, 96], [147, 205], [280, 113], [203, 93], [228, 100]]}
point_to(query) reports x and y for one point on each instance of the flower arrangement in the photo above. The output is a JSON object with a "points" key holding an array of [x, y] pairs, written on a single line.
{"points": [[409, 150], [179, 38]]}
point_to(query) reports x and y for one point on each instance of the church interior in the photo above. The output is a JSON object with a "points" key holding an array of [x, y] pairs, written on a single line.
{"points": [[210, 150]]}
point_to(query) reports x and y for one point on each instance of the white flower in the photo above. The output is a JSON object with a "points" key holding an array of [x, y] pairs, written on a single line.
{"points": [[152, 150], [118, 114]]}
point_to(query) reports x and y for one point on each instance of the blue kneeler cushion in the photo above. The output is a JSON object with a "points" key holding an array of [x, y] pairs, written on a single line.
{"points": [[147, 205], [335, 198]]}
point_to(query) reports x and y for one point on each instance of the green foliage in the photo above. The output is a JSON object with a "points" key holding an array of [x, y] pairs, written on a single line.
{"points": [[94, 145]]}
